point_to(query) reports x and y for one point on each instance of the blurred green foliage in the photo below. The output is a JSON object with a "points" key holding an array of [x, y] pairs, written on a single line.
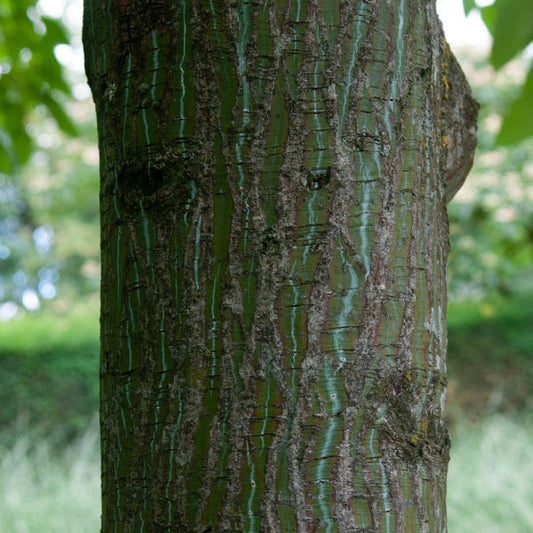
{"points": [[30, 77], [509, 22], [49, 231], [49, 254], [49, 370], [491, 218], [490, 356]]}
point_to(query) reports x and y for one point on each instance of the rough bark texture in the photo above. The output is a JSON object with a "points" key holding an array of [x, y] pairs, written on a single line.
{"points": [[274, 238]]}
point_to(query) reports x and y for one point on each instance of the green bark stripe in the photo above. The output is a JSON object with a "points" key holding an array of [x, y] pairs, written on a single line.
{"points": [[127, 119], [330, 11], [212, 372], [248, 280], [215, 500], [257, 447], [237, 343], [351, 49], [275, 148], [298, 19], [225, 69], [287, 514], [182, 104], [265, 48]]}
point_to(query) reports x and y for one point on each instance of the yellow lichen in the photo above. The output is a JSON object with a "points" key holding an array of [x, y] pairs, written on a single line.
{"points": [[445, 82]]}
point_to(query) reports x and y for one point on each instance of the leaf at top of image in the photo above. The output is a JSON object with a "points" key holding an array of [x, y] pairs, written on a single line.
{"points": [[469, 5], [511, 25]]}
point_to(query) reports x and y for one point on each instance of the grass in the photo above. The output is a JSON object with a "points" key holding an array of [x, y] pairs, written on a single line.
{"points": [[46, 490], [490, 478]]}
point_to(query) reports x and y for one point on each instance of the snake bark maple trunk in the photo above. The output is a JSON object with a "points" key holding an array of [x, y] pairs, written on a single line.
{"points": [[274, 179]]}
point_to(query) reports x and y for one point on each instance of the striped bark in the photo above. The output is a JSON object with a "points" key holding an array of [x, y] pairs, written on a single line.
{"points": [[274, 179]]}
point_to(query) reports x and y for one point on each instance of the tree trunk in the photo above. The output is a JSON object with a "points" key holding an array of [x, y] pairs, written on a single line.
{"points": [[274, 178]]}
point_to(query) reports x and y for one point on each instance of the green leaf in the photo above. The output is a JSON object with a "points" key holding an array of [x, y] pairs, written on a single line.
{"points": [[55, 31], [512, 29], [517, 123], [489, 14], [469, 5]]}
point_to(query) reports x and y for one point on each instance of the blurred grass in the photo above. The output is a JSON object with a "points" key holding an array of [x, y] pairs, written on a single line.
{"points": [[490, 477], [43, 490]]}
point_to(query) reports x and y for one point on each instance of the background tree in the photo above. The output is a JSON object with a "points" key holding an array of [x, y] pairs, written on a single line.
{"points": [[274, 179]]}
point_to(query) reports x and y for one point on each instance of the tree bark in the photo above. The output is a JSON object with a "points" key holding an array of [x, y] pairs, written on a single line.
{"points": [[274, 179]]}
